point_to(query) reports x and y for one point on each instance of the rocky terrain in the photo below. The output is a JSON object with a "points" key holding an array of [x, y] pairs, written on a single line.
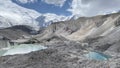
{"points": [[68, 44]]}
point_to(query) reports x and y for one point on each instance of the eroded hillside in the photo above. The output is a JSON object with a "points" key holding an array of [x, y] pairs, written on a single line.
{"points": [[88, 42]]}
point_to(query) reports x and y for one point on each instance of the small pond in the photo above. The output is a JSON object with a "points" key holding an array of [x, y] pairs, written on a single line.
{"points": [[97, 56]]}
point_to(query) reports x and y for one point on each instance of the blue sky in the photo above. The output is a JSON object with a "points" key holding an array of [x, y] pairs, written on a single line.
{"points": [[43, 7], [71, 7]]}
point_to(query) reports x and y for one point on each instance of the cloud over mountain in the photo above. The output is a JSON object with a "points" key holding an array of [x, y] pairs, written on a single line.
{"points": [[59, 3], [93, 7]]}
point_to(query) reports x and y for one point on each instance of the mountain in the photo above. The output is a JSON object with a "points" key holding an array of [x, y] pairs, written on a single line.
{"points": [[83, 27], [17, 32], [11, 14], [90, 34], [46, 19], [69, 42]]}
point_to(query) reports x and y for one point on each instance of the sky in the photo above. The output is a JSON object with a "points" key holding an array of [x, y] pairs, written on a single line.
{"points": [[71, 7], [48, 6]]}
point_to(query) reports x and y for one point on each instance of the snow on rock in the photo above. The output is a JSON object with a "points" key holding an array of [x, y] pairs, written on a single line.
{"points": [[11, 14], [48, 18]]}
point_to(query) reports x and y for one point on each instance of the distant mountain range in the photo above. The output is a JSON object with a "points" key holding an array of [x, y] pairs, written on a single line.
{"points": [[12, 14], [68, 41], [85, 27]]}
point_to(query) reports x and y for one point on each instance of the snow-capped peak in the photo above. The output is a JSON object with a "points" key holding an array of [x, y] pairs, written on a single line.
{"points": [[48, 18], [11, 14]]}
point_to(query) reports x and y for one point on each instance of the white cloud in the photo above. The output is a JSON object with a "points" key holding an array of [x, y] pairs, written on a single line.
{"points": [[78, 8], [54, 17], [26, 1], [48, 18], [93, 7], [55, 2]]}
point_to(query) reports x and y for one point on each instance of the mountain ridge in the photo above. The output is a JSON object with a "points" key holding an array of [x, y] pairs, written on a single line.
{"points": [[68, 42], [84, 27]]}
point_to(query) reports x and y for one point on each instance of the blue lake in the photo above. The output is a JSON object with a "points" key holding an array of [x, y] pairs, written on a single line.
{"points": [[97, 56], [20, 49]]}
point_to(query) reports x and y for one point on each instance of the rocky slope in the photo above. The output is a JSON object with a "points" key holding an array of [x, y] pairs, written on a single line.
{"points": [[102, 25], [16, 32], [69, 41]]}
